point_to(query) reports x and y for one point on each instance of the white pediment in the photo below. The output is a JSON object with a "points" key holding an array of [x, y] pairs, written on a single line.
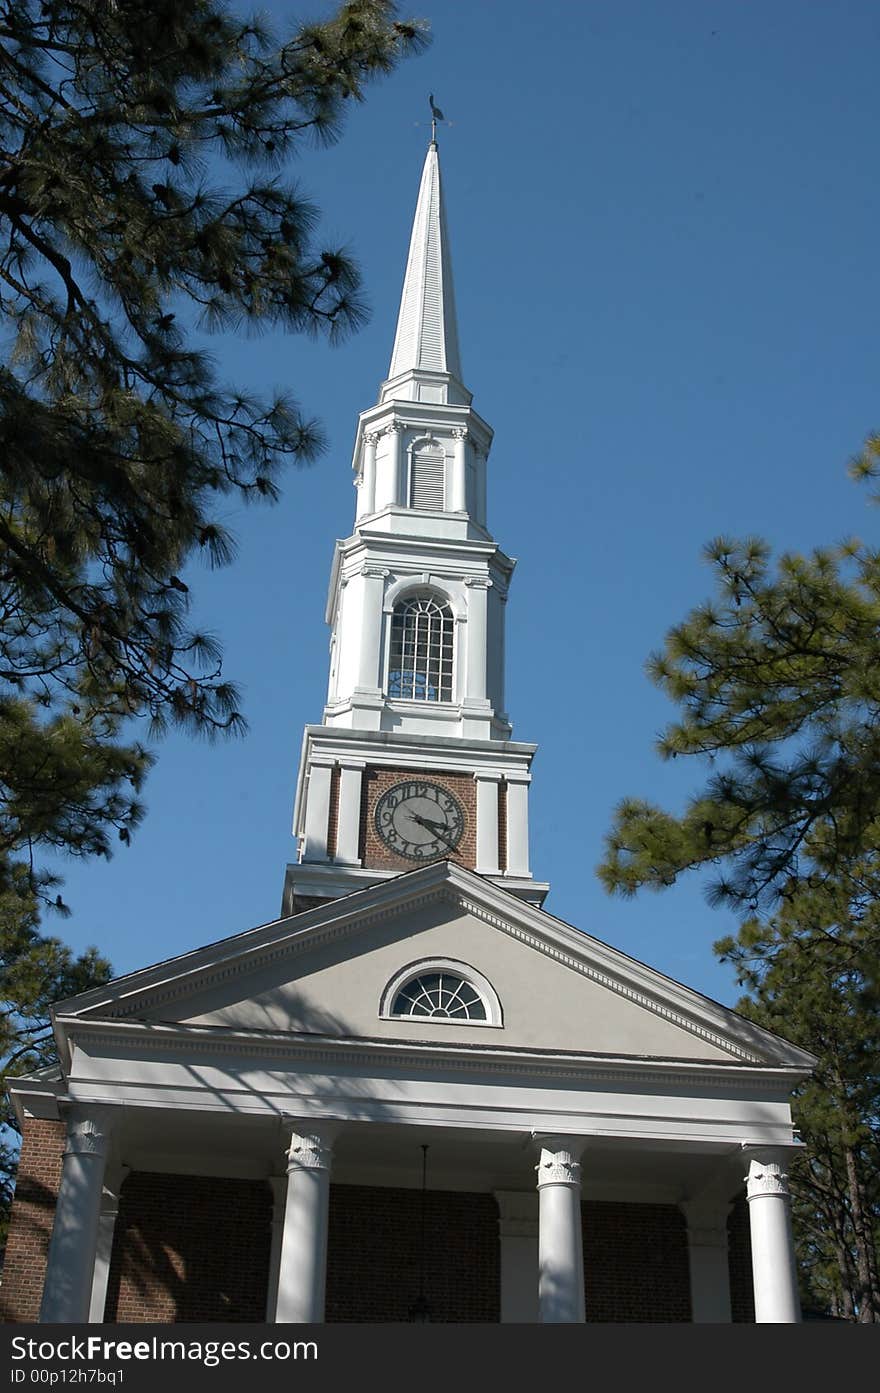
{"points": [[326, 972]]}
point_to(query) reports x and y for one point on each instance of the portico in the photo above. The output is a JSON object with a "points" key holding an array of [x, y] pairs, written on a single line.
{"points": [[542, 1133]]}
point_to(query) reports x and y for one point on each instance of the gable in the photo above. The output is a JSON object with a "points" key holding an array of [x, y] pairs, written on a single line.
{"points": [[335, 988]]}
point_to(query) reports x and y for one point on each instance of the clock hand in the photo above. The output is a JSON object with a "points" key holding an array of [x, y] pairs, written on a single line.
{"points": [[438, 828]]}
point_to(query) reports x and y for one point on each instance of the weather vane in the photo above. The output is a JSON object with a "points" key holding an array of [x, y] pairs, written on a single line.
{"points": [[436, 117]]}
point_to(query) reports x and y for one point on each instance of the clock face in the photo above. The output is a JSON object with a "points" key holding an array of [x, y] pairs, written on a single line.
{"points": [[419, 820]]}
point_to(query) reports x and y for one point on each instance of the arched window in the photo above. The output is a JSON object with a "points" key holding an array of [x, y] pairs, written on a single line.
{"points": [[443, 994], [441, 989], [420, 657]]}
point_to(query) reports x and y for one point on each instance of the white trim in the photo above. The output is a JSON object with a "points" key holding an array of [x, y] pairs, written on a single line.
{"points": [[423, 585], [480, 984], [147, 989]]}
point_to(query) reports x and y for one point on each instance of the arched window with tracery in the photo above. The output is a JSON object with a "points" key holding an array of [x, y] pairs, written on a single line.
{"points": [[439, 994], [442, 990], [421, 652]]}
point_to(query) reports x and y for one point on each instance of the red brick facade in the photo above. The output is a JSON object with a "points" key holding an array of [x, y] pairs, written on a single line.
{"points": [[502, 826], [193, 1248], [739, 1258], [636, 1263], [190, 1248], [39, 1175], [374, 852], [375, 1248], [333, 812]]}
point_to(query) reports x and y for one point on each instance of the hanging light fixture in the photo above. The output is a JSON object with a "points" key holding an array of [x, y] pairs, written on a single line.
{"points": [[420, 1310]]}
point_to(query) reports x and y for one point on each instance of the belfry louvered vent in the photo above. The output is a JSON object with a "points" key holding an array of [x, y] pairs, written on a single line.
{"points": [[426, 484]]}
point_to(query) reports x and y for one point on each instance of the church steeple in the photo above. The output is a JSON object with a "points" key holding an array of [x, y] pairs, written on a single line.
{"points": [[414, 759], [426, 340]]}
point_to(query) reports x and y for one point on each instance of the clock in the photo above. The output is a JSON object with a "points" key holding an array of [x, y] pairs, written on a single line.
{"points": [[419, 820]]}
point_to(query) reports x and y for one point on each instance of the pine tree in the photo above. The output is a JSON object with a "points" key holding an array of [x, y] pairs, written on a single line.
{"points": [[141, 149], [140, 189], [778, 683], [826, 1002], [35, 971]]}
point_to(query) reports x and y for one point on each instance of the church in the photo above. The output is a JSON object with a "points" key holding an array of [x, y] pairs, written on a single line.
{"points": [[417, 1095]]}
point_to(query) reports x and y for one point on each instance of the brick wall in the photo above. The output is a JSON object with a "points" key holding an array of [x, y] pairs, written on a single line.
{"points": [[502, 826], [333, 812], [374, 1254], [739, 1259], [636, 1262], [374, 852], [39, 1175], [190, 1248]]}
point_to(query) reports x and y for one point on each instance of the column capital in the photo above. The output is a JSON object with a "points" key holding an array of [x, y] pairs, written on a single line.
{"points": [[477, 583], [459, 432], [767, 1173], [310, 1146], [89, 1128], [766, 1177], [558, 1159], [372, 437]]}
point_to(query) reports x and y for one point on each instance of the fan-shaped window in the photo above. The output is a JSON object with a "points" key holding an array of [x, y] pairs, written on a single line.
{"points": [[441, 989], [420, 658], [439, 994]]}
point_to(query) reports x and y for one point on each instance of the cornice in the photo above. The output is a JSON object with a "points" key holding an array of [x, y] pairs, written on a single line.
{"points": [[604, 979], [318, 1051], [406, 543], [290, 946], [442, 882], [401, 740]]}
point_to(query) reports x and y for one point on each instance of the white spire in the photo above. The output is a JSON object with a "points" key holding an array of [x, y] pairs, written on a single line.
{"points": [[427, 334]]}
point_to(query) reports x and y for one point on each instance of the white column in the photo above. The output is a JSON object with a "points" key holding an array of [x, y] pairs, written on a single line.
{"points": [[560, 1238], [367, 490], [518, 1236], [707, 1260], [349, 822], [372, 595], [302, 1268], [458, 500], [67, 1291], [477, 630], [317, 812], [395, 464], [104, 1245], [487, 823], [773, 1262], [518, 824], [278, 1184]]}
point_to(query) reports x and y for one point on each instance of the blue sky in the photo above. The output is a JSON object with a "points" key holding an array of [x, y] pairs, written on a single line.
{"points": [[664, 233]]}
